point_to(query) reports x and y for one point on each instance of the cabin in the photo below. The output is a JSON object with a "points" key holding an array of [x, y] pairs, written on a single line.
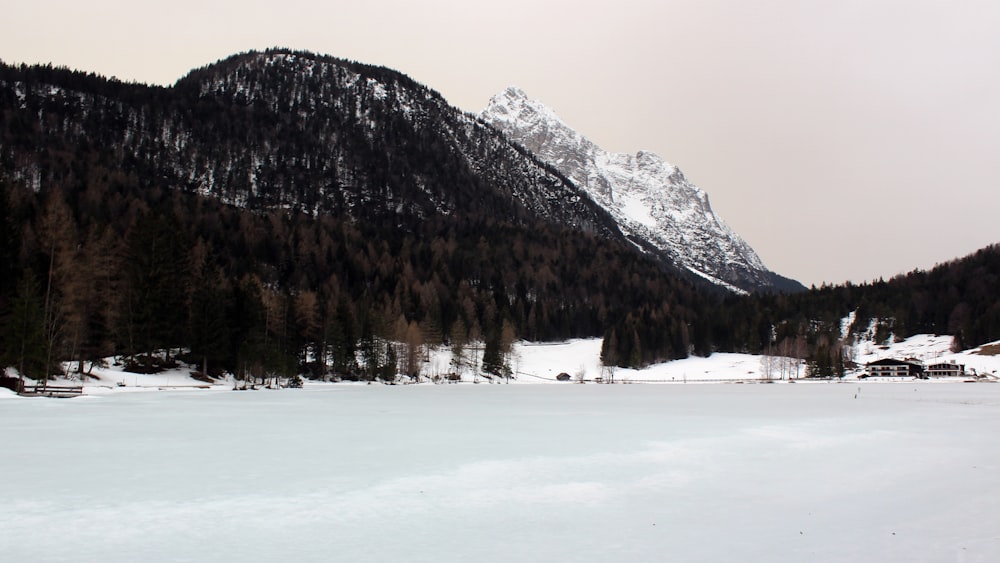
{"points": [[894, 368], [949, 369]]}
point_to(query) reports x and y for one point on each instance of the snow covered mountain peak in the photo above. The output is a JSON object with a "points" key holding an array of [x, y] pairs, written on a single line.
{"points": [[650, 198]]}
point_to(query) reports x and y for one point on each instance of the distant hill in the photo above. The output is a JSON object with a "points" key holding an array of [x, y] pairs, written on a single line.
{"points": [[959, 298]]}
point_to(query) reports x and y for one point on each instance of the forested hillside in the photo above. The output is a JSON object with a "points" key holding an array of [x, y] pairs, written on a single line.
{"points": [[131, 270], [343, 197], [960, 298], [282, 130], [282, 212]]}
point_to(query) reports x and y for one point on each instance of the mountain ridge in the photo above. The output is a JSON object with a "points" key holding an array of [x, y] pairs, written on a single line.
{"points": [[317, 133], [650, 198], [287, 104]]}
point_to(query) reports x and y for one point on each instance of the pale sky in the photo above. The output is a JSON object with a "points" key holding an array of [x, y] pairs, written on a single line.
{"points": [[843, 139]]}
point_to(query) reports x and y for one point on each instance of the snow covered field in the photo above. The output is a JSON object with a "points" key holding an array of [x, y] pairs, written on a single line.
{"points": [[787, 472], [543, 362]]}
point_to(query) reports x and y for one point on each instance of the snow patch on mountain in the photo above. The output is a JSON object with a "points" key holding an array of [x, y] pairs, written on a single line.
{"points": [[650, 198]]}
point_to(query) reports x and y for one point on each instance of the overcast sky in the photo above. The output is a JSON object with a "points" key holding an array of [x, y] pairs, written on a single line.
{"points": [[843, 139]]}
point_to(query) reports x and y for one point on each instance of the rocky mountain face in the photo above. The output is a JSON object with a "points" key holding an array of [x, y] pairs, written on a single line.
{"points": [[652, 201]]}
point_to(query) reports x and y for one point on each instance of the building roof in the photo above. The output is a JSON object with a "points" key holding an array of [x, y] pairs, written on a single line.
{"points": [[892, 362]]}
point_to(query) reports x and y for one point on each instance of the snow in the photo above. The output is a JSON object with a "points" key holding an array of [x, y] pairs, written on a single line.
{"points": [[930, 348], [920, 347], [534, 363], [821, 472], [717, 281], [648, 197], [817, 471], [377, 88], [543, 362], [634, 208]]}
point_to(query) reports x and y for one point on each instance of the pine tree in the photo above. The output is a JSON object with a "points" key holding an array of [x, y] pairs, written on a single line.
{"points": [[459, 339], [245, 322], [308, 330], [10, 245], [492, 353], [66, 293], [387, 369], [507, 338], [414, 349], [609, 354], [156, 270], [103, 268], [209, 332], [25, 344], [635, 352], [343, 341]]}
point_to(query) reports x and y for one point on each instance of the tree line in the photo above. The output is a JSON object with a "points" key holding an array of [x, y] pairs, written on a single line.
{"points": [[130, 272], [958, 298], [133, 273]]}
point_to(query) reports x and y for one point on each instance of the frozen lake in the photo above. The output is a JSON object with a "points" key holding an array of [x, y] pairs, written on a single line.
{"points": [[792, 472]]}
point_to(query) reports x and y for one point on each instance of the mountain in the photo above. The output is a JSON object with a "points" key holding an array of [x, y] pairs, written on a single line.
{"points": [[289, 130], [277, 206], [652, 201], [284, 212]]}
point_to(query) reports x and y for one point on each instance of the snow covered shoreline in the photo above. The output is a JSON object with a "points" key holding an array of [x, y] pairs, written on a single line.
{"points": [[535, 363]]}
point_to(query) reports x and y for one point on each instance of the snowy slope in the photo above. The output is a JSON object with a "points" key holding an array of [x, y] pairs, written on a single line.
{"points": [[930, 348], [650, 198], [541, 363]]}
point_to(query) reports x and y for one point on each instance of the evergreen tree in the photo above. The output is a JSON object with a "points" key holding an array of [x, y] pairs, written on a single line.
{"points": [[25, 344], [10, 245], [209, 334], [493, 363], [247, 328], [343, 342], [308, 332], [387, 369], [99, 297], [157, 268], [635, 351], [459, 340], [609, 354]]}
